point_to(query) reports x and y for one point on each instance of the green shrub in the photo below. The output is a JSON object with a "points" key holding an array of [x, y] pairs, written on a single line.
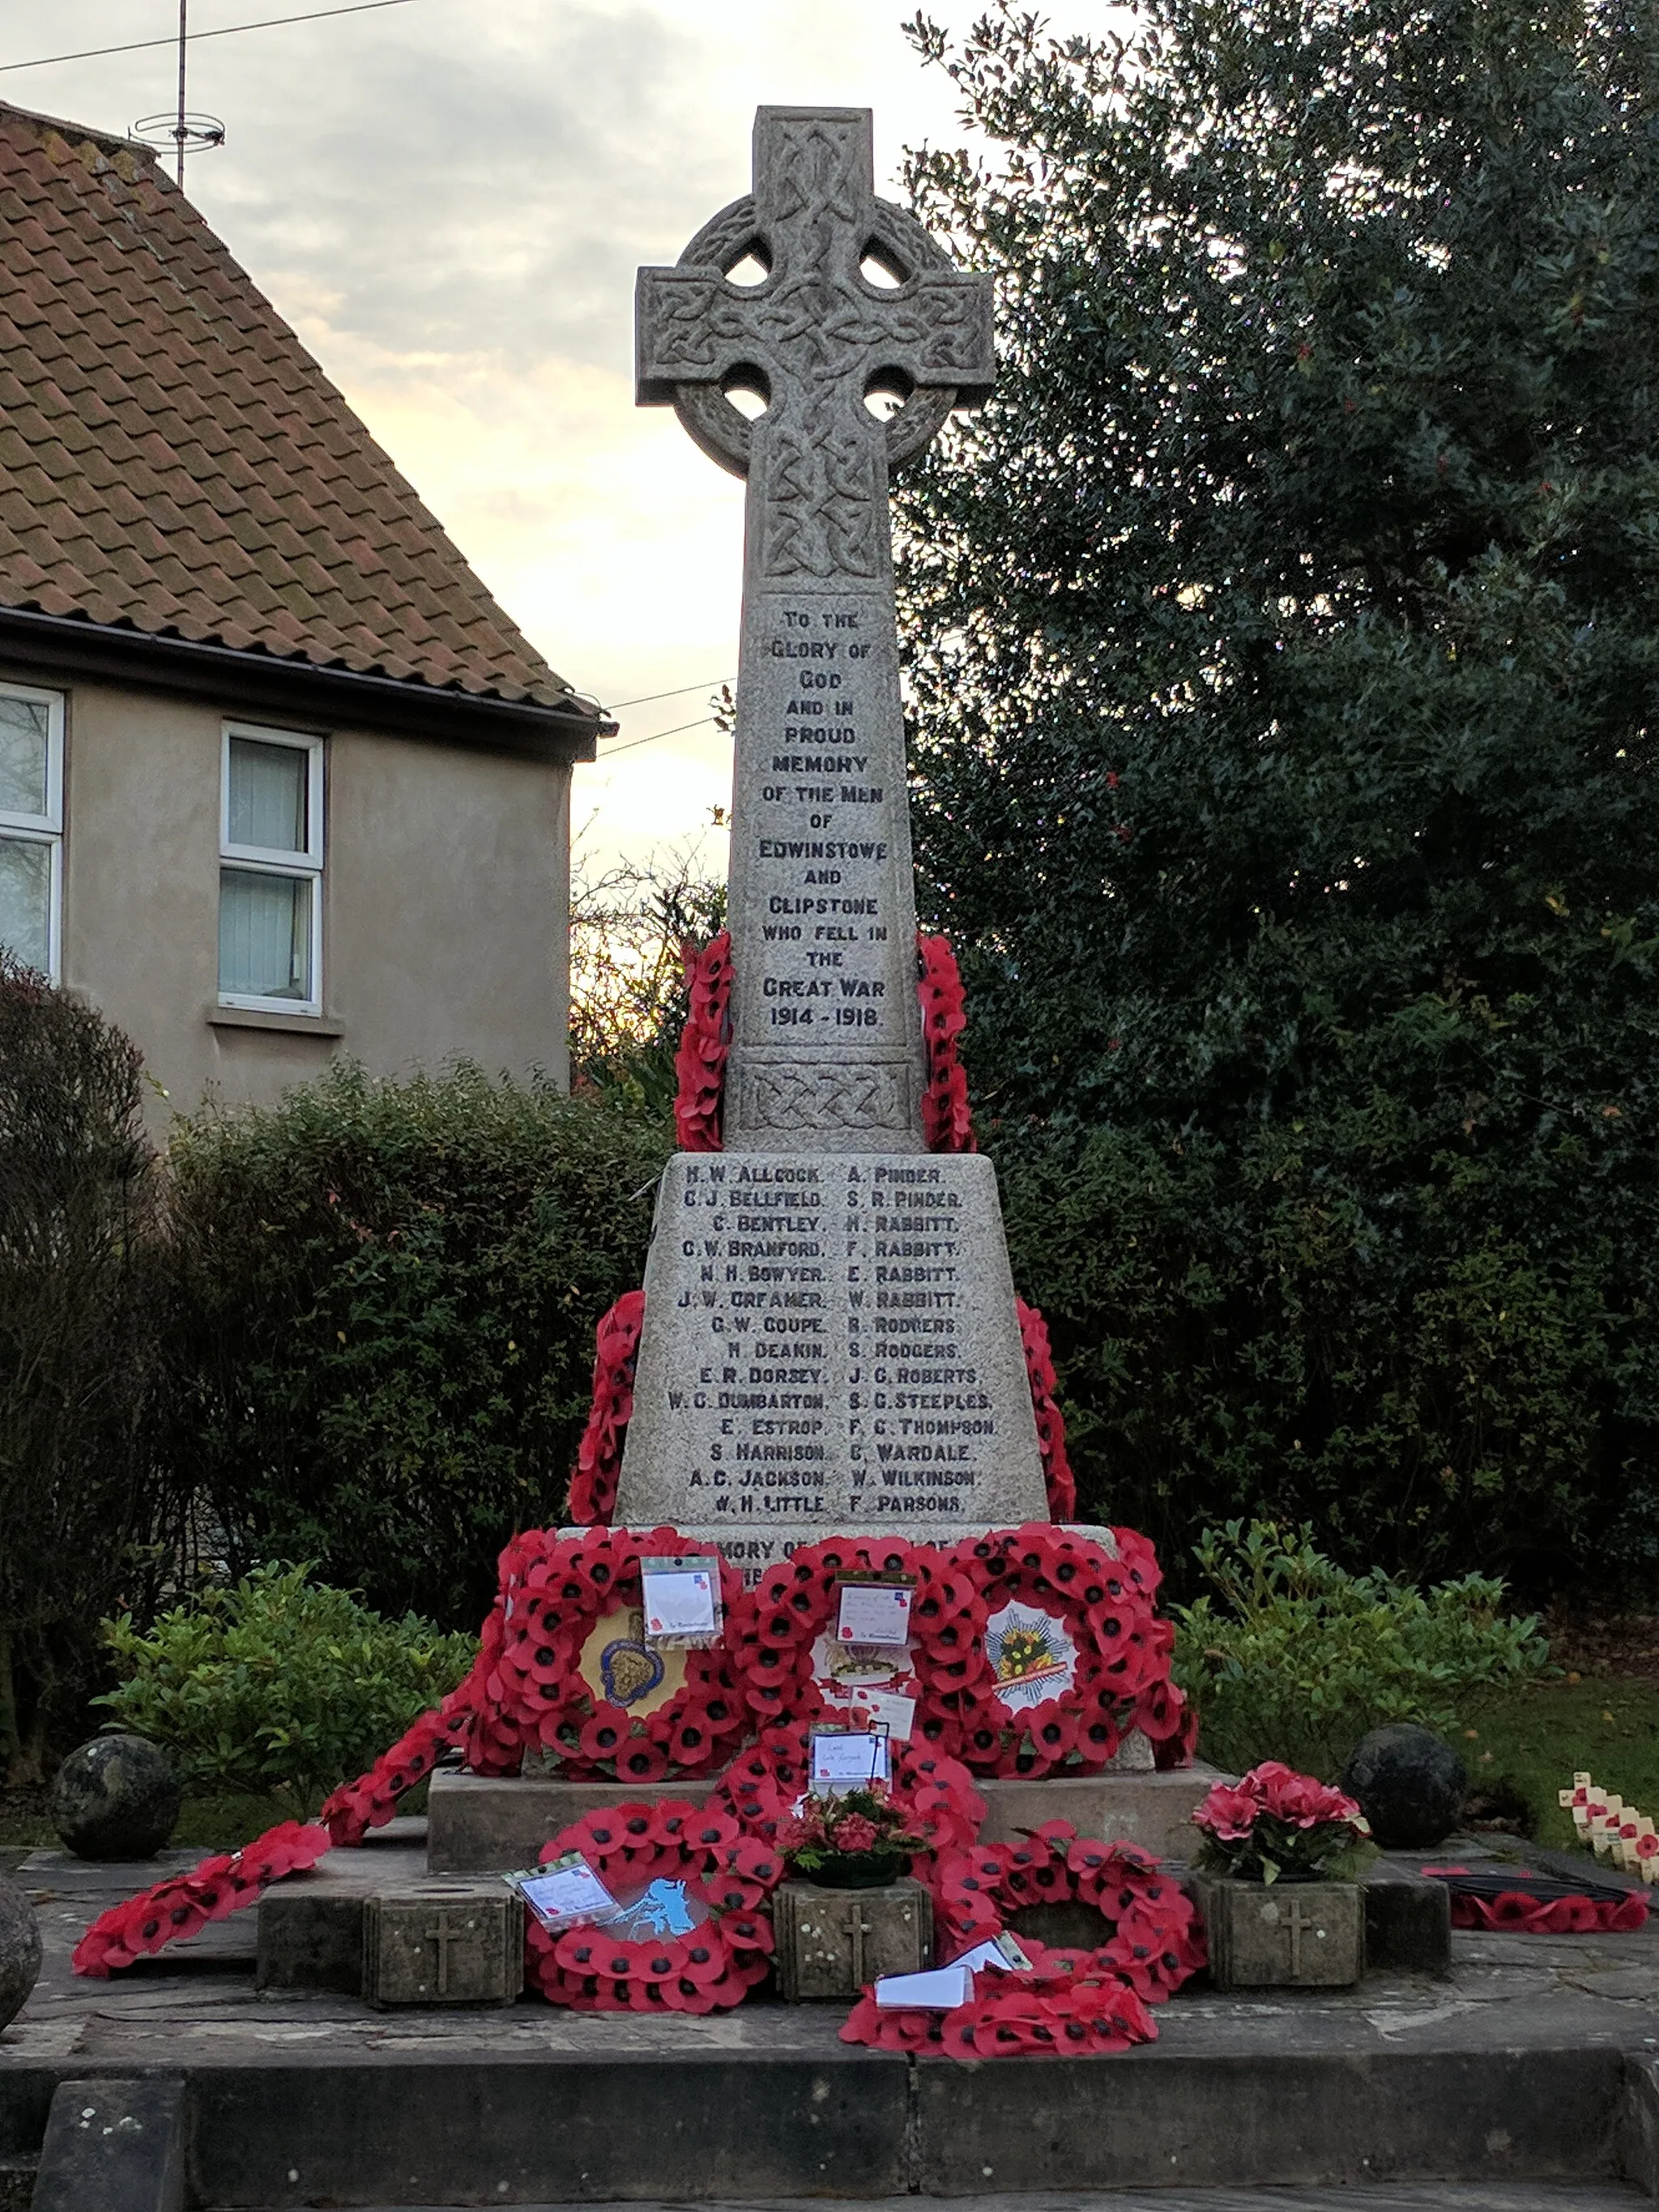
{"points": [[1281, 679], [78, 1491], [1336, 1318], [383, 1337], [1305, 1658], [279, 1683]]}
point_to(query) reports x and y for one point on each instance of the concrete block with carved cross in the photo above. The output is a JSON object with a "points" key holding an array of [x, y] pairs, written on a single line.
{"points": [[448, 1943], [1304, 1935], [832, 1942]]}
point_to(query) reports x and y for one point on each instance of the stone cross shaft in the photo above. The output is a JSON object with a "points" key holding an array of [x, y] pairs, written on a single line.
{"points": [[856, 300]]}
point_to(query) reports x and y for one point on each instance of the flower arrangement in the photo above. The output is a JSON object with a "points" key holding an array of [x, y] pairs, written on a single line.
{"points": [[1280, 1826], [859, 1837]]}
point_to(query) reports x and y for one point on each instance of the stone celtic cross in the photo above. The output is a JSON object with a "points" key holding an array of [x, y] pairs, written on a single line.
{"points": [[856, 300], [829, 1338]]}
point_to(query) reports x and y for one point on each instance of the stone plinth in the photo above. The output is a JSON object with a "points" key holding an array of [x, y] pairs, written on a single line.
{"points": [[1153, 1811], [1303, 1935], [448, 1943], [831, 1942], [489, 1823], [484, 1823]]}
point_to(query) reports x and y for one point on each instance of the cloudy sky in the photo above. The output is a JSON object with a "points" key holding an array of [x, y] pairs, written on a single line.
{"points": [[448, 198]]}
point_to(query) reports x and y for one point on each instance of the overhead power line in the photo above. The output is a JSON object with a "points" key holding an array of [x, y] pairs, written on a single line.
{"points": [[701, 723], [226, 31], [652, 695]]}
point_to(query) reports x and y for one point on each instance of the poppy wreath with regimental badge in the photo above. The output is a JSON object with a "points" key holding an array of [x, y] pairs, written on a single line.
{"points": [[1074, 1655], [1153, 1939], [935, 1793], [790, 1614], [572, 1673], [725, 1877]]}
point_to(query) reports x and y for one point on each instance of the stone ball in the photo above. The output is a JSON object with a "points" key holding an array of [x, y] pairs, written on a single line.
{"points": [[20, 1950], [117, 1797], [1411, 1786]]}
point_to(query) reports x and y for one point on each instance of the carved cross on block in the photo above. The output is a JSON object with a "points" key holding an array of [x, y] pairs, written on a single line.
{"points": [[443, 1936], [815, 338]]}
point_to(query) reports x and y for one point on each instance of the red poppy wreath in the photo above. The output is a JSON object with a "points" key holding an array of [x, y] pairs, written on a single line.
{"points": [[711, 1875], [575, 1676], [1061, 2009], [1152, 1935], [782, 1632], [1071, 1650]]}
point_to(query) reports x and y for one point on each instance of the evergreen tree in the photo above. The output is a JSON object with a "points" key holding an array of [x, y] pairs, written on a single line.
{"points": [[1283, 642]]}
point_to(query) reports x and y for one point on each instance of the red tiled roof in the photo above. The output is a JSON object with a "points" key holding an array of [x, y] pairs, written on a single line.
{"points": [[173, 460]]}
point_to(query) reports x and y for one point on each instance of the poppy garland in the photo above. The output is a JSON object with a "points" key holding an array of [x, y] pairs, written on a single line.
{"points": [[706, 1042], [181, 1907], [947, 1120], [700, 1062], [728, 1875], [600, 1455], [652, 1712]]}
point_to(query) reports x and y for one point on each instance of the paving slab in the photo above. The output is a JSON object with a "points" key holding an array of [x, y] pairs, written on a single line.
{"points": [[1433, 2197]]}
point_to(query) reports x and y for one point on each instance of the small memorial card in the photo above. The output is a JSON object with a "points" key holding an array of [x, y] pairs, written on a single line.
{"points": [[942, 1989], [875, 1612], [1001, 1954], [843, 1761], [565, 1893], [681, 1601], [896, 1714]]}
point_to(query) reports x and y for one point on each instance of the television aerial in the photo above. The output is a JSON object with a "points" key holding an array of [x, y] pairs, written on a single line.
{"points": [[182, 129]]}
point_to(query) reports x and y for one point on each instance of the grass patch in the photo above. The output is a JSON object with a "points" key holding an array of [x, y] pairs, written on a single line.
{"points": [[1534, 1738]]}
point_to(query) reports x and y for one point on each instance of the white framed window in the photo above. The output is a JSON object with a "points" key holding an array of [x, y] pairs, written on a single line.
{"points": [[271, 871], [31, 826]]}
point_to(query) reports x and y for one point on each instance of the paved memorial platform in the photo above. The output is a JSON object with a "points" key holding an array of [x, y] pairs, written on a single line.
{"points": [[1536, 2059]]}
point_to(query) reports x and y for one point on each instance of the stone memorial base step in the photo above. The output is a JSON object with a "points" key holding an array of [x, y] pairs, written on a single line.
{"points": [[766, 2105], [486, 1824]]}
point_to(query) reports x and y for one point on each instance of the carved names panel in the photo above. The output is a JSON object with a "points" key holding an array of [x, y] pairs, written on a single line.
{"points": [[833, 1345]]}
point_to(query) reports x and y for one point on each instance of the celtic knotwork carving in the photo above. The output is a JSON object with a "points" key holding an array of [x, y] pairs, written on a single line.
{"points": [[817, 336], [823, 1098]]}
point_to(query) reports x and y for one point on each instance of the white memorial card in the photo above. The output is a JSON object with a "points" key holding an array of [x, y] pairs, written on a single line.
{"points": [[565, 1893], [681, 1600], [940, 1989], [843, 1761], [1001, 1954], [895, 1713], [874, 1613]]}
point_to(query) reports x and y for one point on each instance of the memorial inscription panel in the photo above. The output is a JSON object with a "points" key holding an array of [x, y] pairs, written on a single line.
{"points": [[826, 1030], [831, 1347]]}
